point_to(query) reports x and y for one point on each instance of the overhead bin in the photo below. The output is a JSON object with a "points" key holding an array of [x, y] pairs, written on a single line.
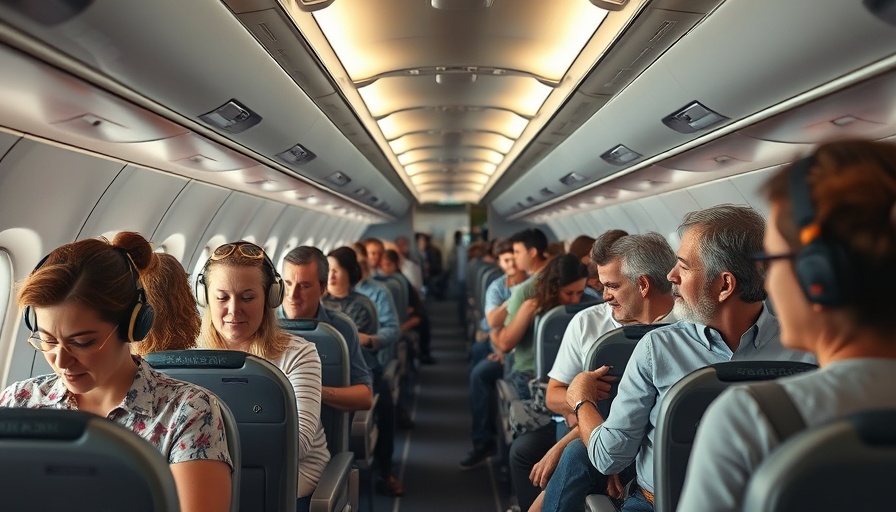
{"points": [[741, 60], [202, 58]]}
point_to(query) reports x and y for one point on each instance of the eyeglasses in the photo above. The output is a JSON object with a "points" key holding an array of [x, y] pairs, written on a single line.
{"points": [[246, 249], [72, 347]]}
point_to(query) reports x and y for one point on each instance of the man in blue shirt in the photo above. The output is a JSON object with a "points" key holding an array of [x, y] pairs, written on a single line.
{"points": [[718, 292], [304, 275], [387, 334]]}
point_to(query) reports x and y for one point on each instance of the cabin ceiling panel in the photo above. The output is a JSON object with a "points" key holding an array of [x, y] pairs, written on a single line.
{"points": [[183, 72], [452, 139], [7, 141], [867, 110], [37, 181], [135, 201], [189, 215], [35, 96], [521, 95], [529, 35], [452, 119], [749, 185], [765, 65], [717, 192], [262, 222]]}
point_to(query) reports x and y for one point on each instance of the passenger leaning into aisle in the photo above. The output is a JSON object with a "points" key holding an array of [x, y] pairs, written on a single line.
{"points": [[718, 295], [633, 269]]}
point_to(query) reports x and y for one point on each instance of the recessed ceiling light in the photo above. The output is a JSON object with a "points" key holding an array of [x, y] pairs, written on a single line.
{"points": [[843, 121]]}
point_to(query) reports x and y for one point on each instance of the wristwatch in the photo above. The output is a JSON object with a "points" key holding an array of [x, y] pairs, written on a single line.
{"points": [[579, 404]]}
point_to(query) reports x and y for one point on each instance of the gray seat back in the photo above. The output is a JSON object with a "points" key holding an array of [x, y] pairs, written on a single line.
{"points": [[56, 459], [549, 329], [682, 409], [614, 349], [232, 432], [847, 464], [399, 292], [335, 372], [264, 405]]}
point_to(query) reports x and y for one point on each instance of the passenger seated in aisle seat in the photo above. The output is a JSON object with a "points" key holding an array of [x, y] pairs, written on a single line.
{"points": [[305, 271], [718, 297], [345, 273], [418, 318], [528, 248], [243, 290], [84, 303], [177, 321], [374, 248], [830, 247], [387, 314], [633, 268], [495, 303], [409, 269], [561, 282]]}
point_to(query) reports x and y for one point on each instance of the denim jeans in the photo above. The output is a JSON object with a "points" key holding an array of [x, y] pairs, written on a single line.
{"points": [[573, 480], [637, 503], [483, 377]]}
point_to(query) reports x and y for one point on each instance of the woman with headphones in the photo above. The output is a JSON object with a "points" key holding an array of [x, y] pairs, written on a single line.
{"points": [[830, 245], [83, 304], [241, 290]]}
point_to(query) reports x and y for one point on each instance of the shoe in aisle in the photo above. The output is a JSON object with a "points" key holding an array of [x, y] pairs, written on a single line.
{"points": [[477, 456], [389, 486]]}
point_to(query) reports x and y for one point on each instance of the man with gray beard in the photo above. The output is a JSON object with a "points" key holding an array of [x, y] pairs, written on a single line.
{"points": [[719, 291]]}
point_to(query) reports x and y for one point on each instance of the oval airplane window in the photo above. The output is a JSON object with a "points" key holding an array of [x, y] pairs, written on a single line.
{"points": [[5, 284]]}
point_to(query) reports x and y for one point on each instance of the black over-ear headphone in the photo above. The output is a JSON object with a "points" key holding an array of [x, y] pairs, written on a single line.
{"points": [[134, 327], [822, 267], [273, 298]]}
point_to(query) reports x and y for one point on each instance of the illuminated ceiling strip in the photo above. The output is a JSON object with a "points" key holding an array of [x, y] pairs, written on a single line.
{"points": [[449, 108], [443, 132], [450, 148], [448, 161], [462, 70], [482, 167]]}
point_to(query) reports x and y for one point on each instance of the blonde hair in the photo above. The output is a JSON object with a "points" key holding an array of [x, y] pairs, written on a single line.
{"points": [[270, 341]]}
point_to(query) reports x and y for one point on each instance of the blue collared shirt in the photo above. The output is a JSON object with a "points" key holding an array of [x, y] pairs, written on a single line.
{"points": [[495, 295], [662, 357], [387, 334]]}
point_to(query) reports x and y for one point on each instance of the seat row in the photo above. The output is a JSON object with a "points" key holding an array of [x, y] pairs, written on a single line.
{"points": [[92, 461]]}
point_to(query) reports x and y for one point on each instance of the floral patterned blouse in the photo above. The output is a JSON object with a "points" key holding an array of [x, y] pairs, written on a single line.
{"points": [[181, 419]]}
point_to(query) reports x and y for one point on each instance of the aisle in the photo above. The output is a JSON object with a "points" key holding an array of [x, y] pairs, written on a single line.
{"points": [[427, 456]]}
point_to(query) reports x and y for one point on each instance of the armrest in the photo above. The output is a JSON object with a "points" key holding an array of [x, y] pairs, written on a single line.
{"points": [[599, 503], [392, 375], [332, 491], [364, 432]]}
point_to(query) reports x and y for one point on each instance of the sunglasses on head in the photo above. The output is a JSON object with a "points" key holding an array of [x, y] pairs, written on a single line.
{"points": [[245, 249]]}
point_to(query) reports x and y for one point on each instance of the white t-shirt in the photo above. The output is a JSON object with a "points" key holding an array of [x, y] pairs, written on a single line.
{"points": [[583, 330], [301, 364]]}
